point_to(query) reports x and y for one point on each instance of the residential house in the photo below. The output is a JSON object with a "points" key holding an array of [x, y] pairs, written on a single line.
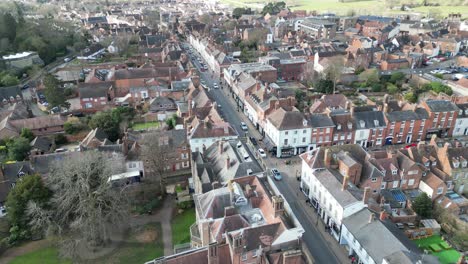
{"points": [[288, 131], [39, 126], [41, 146], [218, 164], [10, 95], [262, 101], [206, 133], [95, 96], [449, 46], [370, 128], [433, 186], [242, 223], [164, 107], [241, 86], [317, 28], [405, 123], [461, 124], [344, 131], [442, 117], [21, 60], [362, 235], [92, 52], [330, 103], [454, 162], [95, 138], [322, 130], [176, 147]]}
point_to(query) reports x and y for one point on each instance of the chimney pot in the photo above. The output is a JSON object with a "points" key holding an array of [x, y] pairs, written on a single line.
{"points": [[383, 216]]}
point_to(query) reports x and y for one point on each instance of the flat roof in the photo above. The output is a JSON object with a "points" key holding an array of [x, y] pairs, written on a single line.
{"points": [[124, 175], [17, 55]]}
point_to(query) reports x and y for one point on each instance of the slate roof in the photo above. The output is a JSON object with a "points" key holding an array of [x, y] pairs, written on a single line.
{"points": [[441, 106], [319, 120], [262, 236], [370, 235], [398, 116], [11, 173], [10, 92], [287, 120], [41, 143], [369, 119], [94, 90], [39, 122], [212, 203], [162, 102]]}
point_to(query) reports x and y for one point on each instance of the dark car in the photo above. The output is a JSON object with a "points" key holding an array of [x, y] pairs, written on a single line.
{"points": [[26, 86], [253, 140]]}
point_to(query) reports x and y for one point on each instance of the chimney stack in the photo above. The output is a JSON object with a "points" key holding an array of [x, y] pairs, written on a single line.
{"points": [[229, 210], [228, 162], [190, 107], [277, 105], [345, 183], [383, 215], [351, 110], [366, 196], [385, 108], [221, 146], [327, 158], [371, 217]]}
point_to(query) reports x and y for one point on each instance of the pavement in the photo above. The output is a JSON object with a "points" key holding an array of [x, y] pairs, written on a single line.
{"points": [[320, 244]]}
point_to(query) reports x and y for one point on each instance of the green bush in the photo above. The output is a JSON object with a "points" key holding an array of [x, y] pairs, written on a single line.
{"points": [[185, 205], [60, 139], [377, 87]]}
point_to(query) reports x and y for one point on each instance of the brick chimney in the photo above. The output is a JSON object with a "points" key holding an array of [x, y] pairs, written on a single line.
{"points": [[278, 205], [345, 183], [230, 210], [327, 158], [213, 257], [351, 110], [277, 105], [383, 215], [228, 162], [366, 196]]}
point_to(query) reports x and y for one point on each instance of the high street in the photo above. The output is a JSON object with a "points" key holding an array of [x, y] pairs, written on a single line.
{"points": [[321, 245]]}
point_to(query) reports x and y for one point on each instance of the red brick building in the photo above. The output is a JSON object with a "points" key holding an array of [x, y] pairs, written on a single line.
{"points": [[322, 130], [442, 117], [95, 96]]}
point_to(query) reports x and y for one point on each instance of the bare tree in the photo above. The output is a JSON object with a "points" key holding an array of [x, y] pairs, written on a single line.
{"points": [[85, 208], [334, 70], [156, 153]]}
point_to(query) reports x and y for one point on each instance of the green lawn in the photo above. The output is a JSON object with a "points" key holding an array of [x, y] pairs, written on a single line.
{"points": [[445, 256], [181, 226], [47, 255], [364, 7], [142, 245], [145, 126]]}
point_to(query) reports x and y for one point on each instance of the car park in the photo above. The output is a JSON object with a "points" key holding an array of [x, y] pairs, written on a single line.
{"points": [[276, 174], [262, 153], [244, 126]]}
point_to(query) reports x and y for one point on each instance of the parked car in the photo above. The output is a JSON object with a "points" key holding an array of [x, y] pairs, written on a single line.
{"points": [[411, 145], [276, 174], [253, 140], [244, 126], [262, 153], [26, 86]]}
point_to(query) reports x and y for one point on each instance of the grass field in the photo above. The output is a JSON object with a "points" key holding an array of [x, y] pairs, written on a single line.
{"points": [[47, 255], [141, 245], [181, 225], [445, 256], [374, 7], [145, 126]]}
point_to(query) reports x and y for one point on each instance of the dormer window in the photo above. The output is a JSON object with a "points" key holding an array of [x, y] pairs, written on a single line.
{"points": [[339, 127], [394, 172], [426, 164], [362, 123], [376, 123], [350, 125], [304, 122], [464, 164], [456, 163], [434, 163]]}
